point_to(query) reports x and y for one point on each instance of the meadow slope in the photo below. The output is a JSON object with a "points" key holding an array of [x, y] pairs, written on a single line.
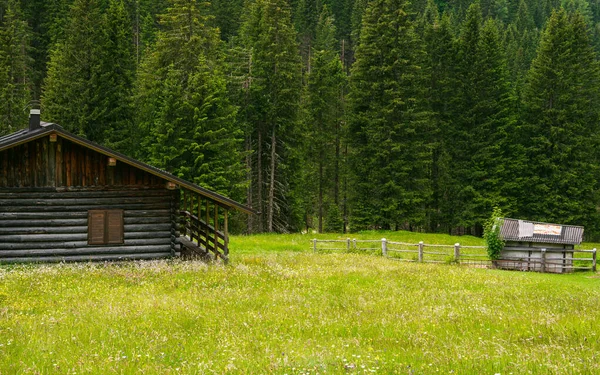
{"points": [[281, 309]]}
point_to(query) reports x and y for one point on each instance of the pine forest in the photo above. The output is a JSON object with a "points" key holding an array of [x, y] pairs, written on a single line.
{"points": [[329, 115]]}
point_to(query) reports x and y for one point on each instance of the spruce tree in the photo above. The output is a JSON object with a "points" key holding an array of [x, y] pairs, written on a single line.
{"points": [[389, 125], [114, 83], [325, 109], [69, 97], [15, 89], [184, 116], [271, 107], [560, 126]]}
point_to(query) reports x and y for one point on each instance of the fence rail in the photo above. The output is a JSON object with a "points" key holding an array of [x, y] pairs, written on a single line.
{"points": [[467, 255]]}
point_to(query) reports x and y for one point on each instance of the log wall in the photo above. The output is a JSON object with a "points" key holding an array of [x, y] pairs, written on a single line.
{"points": [[47, 189], [53, 226]]}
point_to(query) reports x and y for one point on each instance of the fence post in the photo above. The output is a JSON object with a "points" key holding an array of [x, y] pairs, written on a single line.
{"points": [[421, 245], [384, 247], [594, 260], [348, 244], [315, 245], [457, 252], [543, 260], [354, 243]]}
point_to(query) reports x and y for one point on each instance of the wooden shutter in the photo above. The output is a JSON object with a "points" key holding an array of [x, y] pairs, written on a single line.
{"points": [[105, 227], [114, 223], [96, 227]]}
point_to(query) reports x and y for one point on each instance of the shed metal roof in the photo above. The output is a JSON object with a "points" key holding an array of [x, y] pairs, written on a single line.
{"points": [[535, 231], [24, 136]]}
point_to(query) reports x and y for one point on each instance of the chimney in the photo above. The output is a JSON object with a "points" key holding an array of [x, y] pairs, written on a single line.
{"points": [[34, 120]]}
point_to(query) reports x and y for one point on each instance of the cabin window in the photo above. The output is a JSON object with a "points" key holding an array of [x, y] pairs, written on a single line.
{"points": [[105, 227]]}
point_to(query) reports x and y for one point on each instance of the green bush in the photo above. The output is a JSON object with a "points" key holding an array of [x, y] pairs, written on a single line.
{"points": [[491, 234]]}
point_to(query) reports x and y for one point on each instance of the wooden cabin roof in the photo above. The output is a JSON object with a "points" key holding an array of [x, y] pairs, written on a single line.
{"points": [[46, 129]]}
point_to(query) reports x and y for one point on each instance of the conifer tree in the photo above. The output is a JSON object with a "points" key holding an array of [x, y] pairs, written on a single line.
{"points": [[115, 80], [482, 107], [69, 97], [271, 107], [441, 59], [323, 130], [185, 117], [15, 65], [389, 126], [560, 126]]}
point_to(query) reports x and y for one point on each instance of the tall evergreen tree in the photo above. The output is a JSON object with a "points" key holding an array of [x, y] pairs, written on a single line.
{"points": [[389, 126], [323, 129], [115, 80], [482, 108], [273, 93], [69, 97], [560, 126], [184, 115], [15, 89]]}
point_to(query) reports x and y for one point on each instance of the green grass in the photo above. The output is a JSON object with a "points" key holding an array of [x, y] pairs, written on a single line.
{"points": [[279, 308]]}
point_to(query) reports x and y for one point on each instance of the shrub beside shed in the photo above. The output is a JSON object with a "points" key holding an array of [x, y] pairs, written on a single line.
{"points": [[537, 246]]}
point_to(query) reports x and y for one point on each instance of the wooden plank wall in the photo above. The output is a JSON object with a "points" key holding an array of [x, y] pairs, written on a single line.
{"points": [[41, 163], [52, 226]]}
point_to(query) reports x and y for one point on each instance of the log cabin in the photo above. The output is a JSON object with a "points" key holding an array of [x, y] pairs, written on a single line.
{"points": [[64, 198]]}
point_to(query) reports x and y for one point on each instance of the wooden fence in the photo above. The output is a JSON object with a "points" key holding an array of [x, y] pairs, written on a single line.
{"points": [[468, 255]]}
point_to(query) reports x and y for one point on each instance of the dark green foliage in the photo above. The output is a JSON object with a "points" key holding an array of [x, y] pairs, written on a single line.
{"points": [[71, 96], [389, 128], [560, 126], [185, 119], [271, 102], [324, 116], [15, 89]]}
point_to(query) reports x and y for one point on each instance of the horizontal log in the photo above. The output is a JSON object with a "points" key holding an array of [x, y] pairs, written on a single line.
{"points": [[76, 236], [77, 244], [43, 237], [147, 213], [87, 258], [75, 222], [135, 206], [17, 202], [86, 251], [42, 230], [17, 193], [41, 215], [140, 235], [41, 223]]}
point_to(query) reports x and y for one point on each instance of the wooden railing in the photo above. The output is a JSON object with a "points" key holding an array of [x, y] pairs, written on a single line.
{"points": [[204, 238]]}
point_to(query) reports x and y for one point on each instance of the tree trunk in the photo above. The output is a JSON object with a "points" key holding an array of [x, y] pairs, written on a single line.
{"points": [[259, 184], [248, 148], [272, 183], [320, 195]]}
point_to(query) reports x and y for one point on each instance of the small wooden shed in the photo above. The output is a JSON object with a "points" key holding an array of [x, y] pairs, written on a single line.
{"points": [[537, 246], [64, 198]]}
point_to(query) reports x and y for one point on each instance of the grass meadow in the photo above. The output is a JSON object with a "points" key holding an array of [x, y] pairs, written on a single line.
{"points": [[278, 308]]}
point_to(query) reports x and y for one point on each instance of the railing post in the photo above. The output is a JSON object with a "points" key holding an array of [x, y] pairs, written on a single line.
{"points": [[543, 260], [384, 247], [315, 245], [347, 244], [594, 260], [421, 246], [457, 252]]}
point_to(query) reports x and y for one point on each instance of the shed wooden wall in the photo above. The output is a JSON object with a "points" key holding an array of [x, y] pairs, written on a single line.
{"points": [[47, 189]]}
